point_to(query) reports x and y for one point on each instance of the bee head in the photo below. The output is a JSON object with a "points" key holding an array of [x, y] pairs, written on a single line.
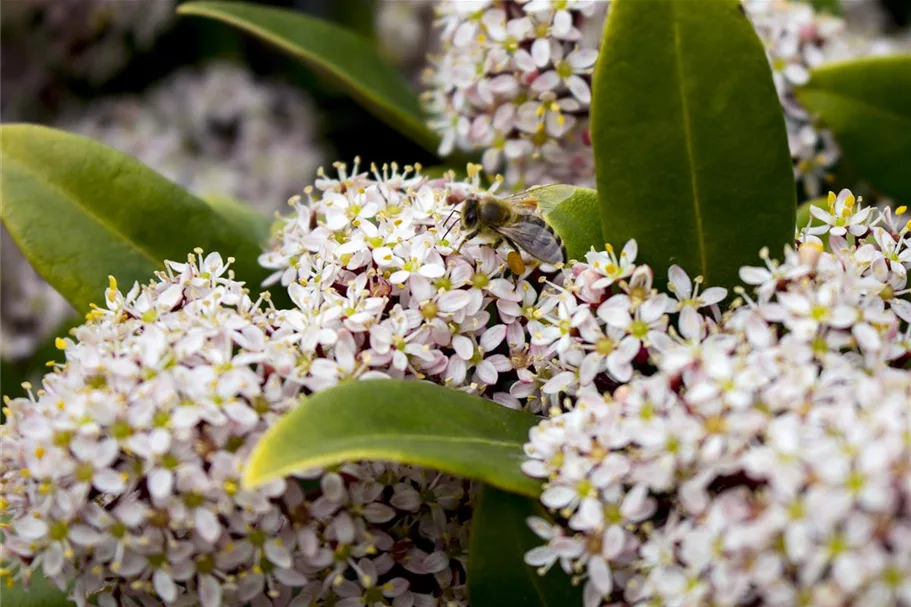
{"points": [[470, 209]]}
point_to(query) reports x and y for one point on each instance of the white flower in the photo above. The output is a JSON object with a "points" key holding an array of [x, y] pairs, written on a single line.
{"points": [[758, 455]]}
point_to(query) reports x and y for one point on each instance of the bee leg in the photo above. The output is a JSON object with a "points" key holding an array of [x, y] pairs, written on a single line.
{"points": [[466, 238]]}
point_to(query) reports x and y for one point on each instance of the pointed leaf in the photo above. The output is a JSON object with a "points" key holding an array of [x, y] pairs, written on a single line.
{"points": [[573, 214], [867, 104], [497, 573], [691, 153], [81, 211], [408, 422], [340, 55]]}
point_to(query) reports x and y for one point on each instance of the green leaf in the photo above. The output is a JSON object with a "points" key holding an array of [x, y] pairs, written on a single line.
{"points": [[242, 216], [867, 104], [408, 422], [573, 214], [691, 153], [497, 573], [81, 211], [340, 55], [41, 593], [833, 7]]}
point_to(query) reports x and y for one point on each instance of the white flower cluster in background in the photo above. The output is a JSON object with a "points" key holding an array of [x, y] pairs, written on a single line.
{"points": [[405, 33], [760, 457], [513, 81], [216, 131], [47, 42]]}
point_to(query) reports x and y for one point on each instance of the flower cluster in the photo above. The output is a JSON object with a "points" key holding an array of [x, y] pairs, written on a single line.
{"points": [[48, 41], [120, 477], [514, 80], [760, 457], [214, 130]]}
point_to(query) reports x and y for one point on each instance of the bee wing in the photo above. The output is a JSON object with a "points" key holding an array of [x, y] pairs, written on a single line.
{"points": [[534, 237]]}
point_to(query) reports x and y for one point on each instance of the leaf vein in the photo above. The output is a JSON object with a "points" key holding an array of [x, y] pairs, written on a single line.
{"points": [[688, 136], [65, 194]]}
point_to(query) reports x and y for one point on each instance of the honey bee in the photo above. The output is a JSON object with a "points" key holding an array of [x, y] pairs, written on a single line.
{"points": [[514, 219]]}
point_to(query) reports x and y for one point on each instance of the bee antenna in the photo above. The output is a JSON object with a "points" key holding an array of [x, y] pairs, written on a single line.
{"points": [[451, 225]]}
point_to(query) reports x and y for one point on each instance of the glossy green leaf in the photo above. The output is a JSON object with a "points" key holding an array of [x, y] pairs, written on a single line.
{"points": [[340, 55], [497, 573], [867, 104], [400, 421], [81, 211], [691, 153], [573, 214], [242, 216]]}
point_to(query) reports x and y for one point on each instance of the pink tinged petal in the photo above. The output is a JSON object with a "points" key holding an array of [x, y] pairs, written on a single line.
{"points": [[546, 82], [559, 382], [680, 281], [535, 469], [713, 295], [615, 312], [30, 528], [540, 53], [83, 535], [109, 481], [500, 363], [436, 562], [456, 371], [344, 528], [277, 553], [563, 24], [590, 367], [398, 278], [53, 560], [653, 309], [378, 513], [614, 540], [524, 61], [463, 346], [540, 527], [867, 337], [580, 89], [600, 575], [241, 413], [493, 337], [431, 271], [557, 497], [164, 586], [542, 556], [637, 505], [453, 301], [207, 525], [486, 373], [753, 275], [333, 487], [901, 308], [209, 591]]}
